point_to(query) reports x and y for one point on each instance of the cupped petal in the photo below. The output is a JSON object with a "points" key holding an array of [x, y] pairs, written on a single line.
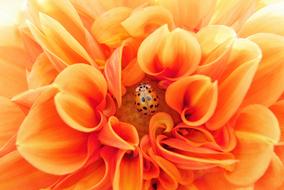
{"points": [[119, 134], [127, 77], [269, 19], [128, 171], [173, 54], [270, 73], [189, 14], [196, 100], [96, 175], [17, 173], [46, 142], [11, 117], [143, 21], [235, 81], [107, 28], [257, 134], [83, 81], [273, 178], [42, 72], [233, 13], [216, 43], [77, 113]]}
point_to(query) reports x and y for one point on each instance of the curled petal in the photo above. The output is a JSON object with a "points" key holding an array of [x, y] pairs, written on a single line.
{"points": [[46, 142], [128, 171], [235, 81], [150, 168], [94, 88], [11, 117], [269, 19], [144, 20], [256, 134], [189, 14], [270, 72], [42, 73], [128, 79], [17, 173], [119, 134], [96, 175], [195, 106], [216, 43], [77, 113], [173, 54], [186, 160], [107, 28], [233, 13]]}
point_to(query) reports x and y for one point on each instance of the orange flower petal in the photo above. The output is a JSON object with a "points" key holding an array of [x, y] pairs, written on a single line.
{"points": [[189, 14], [94, 86], [145, 20], [113, 74], [216, 42], [96, 175], [12, 71], [42, 73], [16, 173], [128, 79], [46, 142], [119, 134], [66, 15], [273, 177], [11, 117], [129, 171], [77, 113], [107, 28], [270, 72], [195, 106], [163, 60], [150, 168], [233, 13], [278, 110], [235, 81], [257, 134], [269, 19]]}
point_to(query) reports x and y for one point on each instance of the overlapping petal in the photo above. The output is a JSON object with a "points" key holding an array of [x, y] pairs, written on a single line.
{"points": [[84, 115], [119, 134], [17, 173], [196, 100], [129, 170], [235, 81], [257, 134], [145, 20], [269, 19], [189, 14], [11, 117], [173, 54], [46, 142], [270, 72]]}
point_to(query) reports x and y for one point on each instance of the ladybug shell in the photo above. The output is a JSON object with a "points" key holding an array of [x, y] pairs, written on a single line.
{"points": [[146, 99]]}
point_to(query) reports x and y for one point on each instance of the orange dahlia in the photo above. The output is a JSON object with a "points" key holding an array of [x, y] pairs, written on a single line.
{"points": [[143, 95]]}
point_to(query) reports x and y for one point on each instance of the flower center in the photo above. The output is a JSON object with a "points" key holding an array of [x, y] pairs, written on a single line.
{"points": [[138, 109]]}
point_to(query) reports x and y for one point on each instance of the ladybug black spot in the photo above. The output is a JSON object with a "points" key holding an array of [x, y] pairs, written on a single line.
{"points": [[151, 106], [153, 111], [155, 99], [145, 113], [145, 108], [138, 94], [149, 91], [138, 104], [156, 105]]}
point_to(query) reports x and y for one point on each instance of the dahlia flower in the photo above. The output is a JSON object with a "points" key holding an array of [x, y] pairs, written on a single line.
{"points": [[143, 95]]}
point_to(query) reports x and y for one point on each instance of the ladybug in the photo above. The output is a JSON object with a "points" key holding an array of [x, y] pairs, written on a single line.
{"points": [[146, 99]]}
